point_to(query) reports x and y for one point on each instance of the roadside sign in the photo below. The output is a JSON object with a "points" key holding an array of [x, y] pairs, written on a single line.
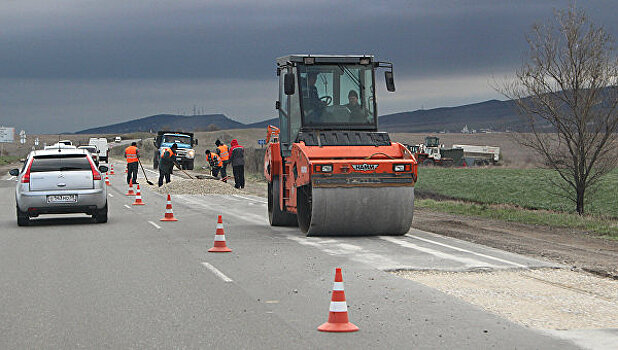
{"points": [[36, 141], [22, 137], [7, 134], [262, 142]]}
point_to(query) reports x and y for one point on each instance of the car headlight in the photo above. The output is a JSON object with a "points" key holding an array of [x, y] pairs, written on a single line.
{"points": [[191, 154]]}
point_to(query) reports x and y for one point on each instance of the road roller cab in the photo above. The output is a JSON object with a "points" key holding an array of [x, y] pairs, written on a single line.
{"points": [[329, 170]]}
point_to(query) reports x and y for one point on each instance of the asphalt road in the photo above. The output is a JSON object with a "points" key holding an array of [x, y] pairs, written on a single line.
{"points": [[138, 283]]}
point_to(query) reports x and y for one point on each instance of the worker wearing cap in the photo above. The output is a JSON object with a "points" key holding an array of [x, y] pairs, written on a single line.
{"points": [[166, 164], [223, 153], [131, 153], [215, 162]]}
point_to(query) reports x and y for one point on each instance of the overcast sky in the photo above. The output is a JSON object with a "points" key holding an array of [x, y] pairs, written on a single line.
{"points": [[68, 65]]}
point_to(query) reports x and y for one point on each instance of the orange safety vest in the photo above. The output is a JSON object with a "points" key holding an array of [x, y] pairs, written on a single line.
{"points": [[213, 158], [168, 150], [131, 154], [225, 155]]}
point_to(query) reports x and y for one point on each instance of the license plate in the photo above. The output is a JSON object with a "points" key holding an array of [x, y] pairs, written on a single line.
{"points": [[64, 198]]}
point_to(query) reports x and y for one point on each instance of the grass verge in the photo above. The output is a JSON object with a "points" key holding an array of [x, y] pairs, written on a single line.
{"points": [[8, 160], [607, 228]]}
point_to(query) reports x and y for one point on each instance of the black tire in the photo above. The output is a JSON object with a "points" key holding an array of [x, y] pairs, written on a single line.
{"points": [[101, 215], [276, 216], [428, 162], [190, 164], [304, 207], [22, 218]]}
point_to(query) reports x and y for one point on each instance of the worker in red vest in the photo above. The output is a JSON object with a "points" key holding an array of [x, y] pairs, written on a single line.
{"points": [[223, 153], [131, 153]]}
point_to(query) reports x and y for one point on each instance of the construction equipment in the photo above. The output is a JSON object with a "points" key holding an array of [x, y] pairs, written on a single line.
{"points": [[480, 155], [329, 170], [431, 153], [185, 154]]}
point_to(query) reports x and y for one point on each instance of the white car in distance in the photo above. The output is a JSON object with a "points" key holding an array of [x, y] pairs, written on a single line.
{"points": [[60, 181]]}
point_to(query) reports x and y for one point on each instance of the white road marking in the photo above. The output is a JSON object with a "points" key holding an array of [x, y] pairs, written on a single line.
{"points": [[250, 199], [217, 272], [468, 251], [466, 261], [126, 206], [155, 225], [111, 195]]}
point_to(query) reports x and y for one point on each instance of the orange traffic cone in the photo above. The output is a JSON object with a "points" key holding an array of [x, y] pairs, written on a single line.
{"points": [[112, 170], [338, 315], [220, 246], [138, 197], [107, 180], [130, 193], [169, 214]]}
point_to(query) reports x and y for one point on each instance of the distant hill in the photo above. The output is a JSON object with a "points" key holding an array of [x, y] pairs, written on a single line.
{"points": [[170, 122], [493, 114]]}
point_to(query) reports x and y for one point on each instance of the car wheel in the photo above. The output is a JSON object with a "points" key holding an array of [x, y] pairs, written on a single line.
{"points": [[190, 165], [101, 215], [22, 218]]}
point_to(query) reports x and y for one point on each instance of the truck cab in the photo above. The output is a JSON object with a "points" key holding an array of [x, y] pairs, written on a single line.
{"points": [[185, 154]]}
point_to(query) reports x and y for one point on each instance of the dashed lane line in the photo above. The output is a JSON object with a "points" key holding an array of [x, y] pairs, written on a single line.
{"points": [[126, 206], [155, 225], [217, 272], [111, 195], [469, 251]]}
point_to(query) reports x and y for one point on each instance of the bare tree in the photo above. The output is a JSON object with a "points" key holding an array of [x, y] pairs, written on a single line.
{"points": [[567, 96]]}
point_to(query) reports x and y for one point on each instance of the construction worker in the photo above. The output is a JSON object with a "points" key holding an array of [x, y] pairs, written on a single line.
{"points": [[223, 153], [131, 153], [237, 158], [166, 164], [215, 162]]}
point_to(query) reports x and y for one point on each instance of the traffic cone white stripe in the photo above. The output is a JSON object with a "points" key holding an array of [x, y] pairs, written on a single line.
{"points": [[338, 306], [168, 211], [338, 286], [220, 238], [219, 225]]}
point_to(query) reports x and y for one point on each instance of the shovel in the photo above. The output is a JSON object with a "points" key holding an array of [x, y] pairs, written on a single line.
{"points": [[144, 171], [179, 168]]}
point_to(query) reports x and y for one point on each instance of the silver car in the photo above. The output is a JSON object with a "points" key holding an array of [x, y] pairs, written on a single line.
{"points": [[60, 181]]}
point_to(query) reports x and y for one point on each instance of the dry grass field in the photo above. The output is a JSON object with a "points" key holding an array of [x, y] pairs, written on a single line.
{"points": [[513, 154]]}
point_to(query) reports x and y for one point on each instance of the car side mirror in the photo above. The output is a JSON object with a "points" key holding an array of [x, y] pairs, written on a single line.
{"points": [[288, 83], [103, 168], [390, 81], [14, 172]]}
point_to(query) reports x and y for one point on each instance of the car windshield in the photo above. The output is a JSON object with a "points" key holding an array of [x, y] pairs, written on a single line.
{"points": [[176, 139], [72, 162], [338, 96]]}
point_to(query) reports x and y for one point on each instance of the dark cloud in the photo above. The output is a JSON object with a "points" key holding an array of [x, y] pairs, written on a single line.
{"points": [[213, 40]]}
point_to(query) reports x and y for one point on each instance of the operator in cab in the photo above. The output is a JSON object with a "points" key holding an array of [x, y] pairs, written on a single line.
{"points": [[313, 105], [358, 115]]}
